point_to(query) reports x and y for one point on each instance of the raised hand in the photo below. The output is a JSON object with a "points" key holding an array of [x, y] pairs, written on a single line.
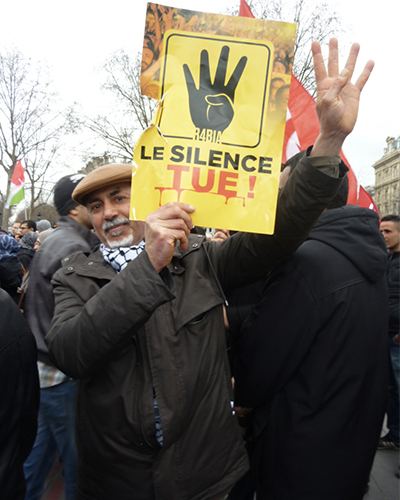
{"points": [[337, 98], [212, 104], [164, 227]]}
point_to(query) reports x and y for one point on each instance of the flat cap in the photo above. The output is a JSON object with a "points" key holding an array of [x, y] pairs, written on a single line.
{"points": [[104, 176]]}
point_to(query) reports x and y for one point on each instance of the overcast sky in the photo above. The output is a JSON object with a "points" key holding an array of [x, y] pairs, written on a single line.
{"points": [[74, 38]]}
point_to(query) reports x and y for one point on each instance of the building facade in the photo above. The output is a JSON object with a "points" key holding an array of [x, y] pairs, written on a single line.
{"points": [[387, 179]]}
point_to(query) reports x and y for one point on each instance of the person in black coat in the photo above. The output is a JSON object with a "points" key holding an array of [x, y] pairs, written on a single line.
{"points": [[19, 397], [390, 228], [26, 252], [10, 267], [312, 362]]}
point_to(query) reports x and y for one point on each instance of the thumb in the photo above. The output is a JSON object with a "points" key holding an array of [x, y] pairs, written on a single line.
{"points": [[217, 99], [338, 84]]}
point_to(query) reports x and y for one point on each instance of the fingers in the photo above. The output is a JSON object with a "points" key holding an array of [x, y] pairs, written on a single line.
{"points": [[333, 60], [172, 221], [363, 78], [189, 78], [205, 79], [241, 411], [164, 227], [338, 85], [219, 80], [352, 59], [236, 75], [344, 77], [216, 100], [175, 215], [319, 65]]}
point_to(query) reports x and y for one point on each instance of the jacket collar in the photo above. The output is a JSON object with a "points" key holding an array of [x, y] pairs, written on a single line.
{"points": [[93, 266], [195, 242]]}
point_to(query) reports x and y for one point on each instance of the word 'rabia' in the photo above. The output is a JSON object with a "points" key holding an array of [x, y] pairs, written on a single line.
{"points": [[207, 135]]}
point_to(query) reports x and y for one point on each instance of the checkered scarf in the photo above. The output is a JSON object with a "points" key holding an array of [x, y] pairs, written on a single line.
{"points": [[119, 258]]}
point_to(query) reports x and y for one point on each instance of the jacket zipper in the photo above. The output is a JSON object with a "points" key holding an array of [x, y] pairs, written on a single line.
{"points": [[140, 366]]}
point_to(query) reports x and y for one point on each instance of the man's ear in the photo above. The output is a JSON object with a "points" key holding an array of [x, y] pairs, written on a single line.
{"points": [[74, 212]]}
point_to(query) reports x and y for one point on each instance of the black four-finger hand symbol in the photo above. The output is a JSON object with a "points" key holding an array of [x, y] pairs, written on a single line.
{"points": [[212, 104]]}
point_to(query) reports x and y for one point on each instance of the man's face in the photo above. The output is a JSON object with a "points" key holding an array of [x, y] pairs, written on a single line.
{"points": [[279, 67], [282, 100], [15, 228], [109, 212], [24, 229], [147, 58], [392, 235], [37, 244], [274, 87]]}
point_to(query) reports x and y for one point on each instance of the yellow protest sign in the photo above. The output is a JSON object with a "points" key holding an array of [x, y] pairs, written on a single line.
{"points": [[215, 142]]}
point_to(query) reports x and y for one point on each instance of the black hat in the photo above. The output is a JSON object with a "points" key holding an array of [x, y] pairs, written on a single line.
{"points": [[63, 191]]}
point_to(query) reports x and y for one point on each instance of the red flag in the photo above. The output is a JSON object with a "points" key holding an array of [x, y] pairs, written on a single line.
{"points": [[17, 192], [244, 10], [302, 129], [365, 200], [18, 176]]}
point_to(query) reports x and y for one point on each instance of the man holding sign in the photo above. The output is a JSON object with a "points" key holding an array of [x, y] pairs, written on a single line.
{"points": [[139, 322]]}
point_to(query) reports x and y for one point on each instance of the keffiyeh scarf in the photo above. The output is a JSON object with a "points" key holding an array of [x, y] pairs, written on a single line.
{"points": [[119, 258]]}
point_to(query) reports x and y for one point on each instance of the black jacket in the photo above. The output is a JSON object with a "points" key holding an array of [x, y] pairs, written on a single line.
{"points": [[313, 362], [19, 397], [11, 275], [69, 237], [25, 256], [394, 292]]}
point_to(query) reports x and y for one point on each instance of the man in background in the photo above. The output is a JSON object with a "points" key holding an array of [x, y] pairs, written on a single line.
{"points": [[27, 226], [15, 228], [312, 361], [390, 228], [57, 391], [43, 225]]}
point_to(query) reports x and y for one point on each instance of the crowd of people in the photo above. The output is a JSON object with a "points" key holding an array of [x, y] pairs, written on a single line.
{"points": [[160, 365], [16, 253]]}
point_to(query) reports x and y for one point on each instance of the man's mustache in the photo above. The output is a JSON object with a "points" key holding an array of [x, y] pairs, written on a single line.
{"points": [[116, 222]]}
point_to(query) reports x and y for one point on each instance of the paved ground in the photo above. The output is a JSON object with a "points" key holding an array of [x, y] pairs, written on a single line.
{"points": [[384, 484]]}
